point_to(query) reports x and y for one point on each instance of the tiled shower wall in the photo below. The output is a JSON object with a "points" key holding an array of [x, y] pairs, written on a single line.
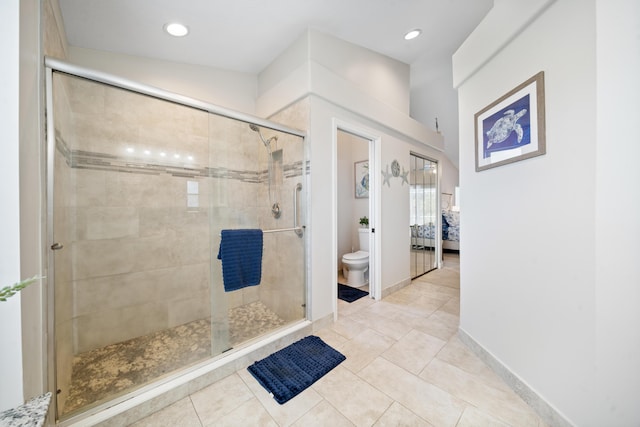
{"points": [[239, 205], [286, 251], [145, 229], [140, 255]]}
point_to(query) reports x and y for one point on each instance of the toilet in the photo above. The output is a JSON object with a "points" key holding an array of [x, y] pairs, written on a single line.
{"points": [[355, 265]]}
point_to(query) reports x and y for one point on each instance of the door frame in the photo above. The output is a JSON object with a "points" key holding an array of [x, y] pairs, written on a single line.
{"points": [[375, 205]]}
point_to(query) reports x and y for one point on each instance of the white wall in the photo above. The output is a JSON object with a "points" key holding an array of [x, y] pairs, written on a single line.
{"points": [[617, 207], [542, 286], [230, 89], [308, 66], [382, 78], [433, 95], [393, 225], [307, 69], [396, 236], [10, 322], [450, 178], [31, 197]]}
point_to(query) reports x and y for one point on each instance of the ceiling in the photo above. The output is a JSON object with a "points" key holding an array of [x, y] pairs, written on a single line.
{"points": [[246, 35]]}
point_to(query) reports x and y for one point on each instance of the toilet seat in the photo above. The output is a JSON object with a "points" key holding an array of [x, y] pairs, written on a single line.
{"points": [[356, 256]]}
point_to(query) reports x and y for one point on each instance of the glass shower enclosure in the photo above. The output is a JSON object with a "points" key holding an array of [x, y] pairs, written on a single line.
{"points": [[141, 184]]}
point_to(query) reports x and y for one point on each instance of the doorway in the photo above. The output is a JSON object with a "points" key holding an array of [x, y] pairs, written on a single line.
{"points": [[356, 199], [353, 204], [423, 208]]}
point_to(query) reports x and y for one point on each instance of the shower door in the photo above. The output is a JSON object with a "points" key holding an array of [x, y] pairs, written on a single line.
{"points": [[256, 183], [139, 189], [423, 215], [132, 269]]}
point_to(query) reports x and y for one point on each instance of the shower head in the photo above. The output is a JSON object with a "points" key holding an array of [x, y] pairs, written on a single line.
{"points": [[266, 142]]}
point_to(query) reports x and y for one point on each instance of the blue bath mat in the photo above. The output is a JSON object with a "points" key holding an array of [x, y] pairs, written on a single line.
{"points": [[287, 372], [349, 294]]}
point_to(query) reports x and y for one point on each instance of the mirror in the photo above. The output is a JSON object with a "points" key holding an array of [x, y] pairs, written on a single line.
{"points": [[423, 208]]}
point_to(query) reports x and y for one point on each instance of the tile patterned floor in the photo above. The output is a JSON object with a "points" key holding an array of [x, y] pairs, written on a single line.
{"points": [[405, 367]]}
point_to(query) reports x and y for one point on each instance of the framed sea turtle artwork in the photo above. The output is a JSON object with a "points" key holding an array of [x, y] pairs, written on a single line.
{"points": [[361, 172], [512, 128]]}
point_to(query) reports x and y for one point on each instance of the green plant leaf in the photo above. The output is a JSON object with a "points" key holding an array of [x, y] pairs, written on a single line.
{"points": [[9, 291]]}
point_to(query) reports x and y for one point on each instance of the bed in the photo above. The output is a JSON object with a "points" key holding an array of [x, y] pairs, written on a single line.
{"points": [[451, 230], [423, 236]]}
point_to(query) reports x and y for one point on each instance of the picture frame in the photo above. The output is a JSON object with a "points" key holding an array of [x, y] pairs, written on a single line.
{"points": [[512, 128], [361, 179]]}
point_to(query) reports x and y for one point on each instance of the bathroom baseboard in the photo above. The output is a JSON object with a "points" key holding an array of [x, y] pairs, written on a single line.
{"points": [[548, 413], [323, 323], [395, 288]]}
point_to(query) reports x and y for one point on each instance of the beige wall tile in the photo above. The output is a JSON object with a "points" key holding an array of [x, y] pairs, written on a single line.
{"points": [[85, 96], [95, 258], [118, 325], [96, 223], [161, 285], [185, 310], [90, 187]]}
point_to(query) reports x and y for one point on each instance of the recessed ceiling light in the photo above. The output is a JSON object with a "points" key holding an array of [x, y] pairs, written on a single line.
{"points": [[412, 34], [176, 29]]}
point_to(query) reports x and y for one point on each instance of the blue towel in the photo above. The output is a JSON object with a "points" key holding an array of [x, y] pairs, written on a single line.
{"points": [[241, 256]]}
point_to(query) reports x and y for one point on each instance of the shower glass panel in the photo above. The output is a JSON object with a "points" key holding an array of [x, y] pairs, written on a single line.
{"points": [[423, 215], [140, 191]]}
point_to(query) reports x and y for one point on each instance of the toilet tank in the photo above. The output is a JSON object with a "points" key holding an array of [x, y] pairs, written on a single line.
{"points": [[363, 239]]}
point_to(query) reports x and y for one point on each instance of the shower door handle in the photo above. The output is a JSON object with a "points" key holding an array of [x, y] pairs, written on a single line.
{"points": [[297, 228]]}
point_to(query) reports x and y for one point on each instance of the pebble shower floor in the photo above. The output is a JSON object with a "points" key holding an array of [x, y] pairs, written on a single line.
{"points": [[117, 368]]}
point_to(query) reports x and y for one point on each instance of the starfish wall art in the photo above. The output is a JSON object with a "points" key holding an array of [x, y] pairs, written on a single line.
{"points": [[395, 173]]}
